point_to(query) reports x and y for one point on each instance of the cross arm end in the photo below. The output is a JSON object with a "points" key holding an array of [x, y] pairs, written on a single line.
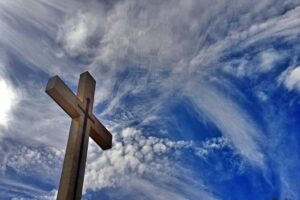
{"points": [[101, 135], [63, 96]]}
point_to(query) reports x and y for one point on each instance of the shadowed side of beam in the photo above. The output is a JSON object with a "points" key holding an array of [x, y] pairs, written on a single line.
{"points": [[85, 94], [68, 178]]}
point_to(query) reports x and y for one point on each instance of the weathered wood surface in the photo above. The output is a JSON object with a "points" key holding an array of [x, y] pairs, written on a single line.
{"points": [[84, 124]]}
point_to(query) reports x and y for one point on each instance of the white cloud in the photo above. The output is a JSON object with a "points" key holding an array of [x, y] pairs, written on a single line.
{"points": [[212, 144], [49, 124], [132, 159], [286, 25], [291, 78], [132, 153], [9, 98], [262, 96], [29, 31], [76, 33], [32, 161], [268, 60]]}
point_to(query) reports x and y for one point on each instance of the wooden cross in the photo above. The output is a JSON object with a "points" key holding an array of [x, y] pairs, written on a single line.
{"points": [[84, 124]]}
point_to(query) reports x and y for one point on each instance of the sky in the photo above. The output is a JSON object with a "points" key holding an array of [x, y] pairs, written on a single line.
{"points": [[202, 97]]}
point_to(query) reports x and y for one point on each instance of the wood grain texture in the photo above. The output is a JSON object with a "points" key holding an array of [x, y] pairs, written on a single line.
{"points": [[84, 124]]}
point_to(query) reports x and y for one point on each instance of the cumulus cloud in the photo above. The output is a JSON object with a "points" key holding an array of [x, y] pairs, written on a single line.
{"points": [[213, 144], [133, 159], [132, 153]]}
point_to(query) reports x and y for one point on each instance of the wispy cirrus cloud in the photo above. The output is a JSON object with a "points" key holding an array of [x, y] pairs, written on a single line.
{"points": [[235, 124]]}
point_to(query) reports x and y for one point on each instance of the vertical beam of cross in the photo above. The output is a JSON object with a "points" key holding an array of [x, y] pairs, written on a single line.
{"points": [[83, 125]]}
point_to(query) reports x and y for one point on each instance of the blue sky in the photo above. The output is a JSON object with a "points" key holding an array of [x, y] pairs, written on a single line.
{"points": [[202, 97]]}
